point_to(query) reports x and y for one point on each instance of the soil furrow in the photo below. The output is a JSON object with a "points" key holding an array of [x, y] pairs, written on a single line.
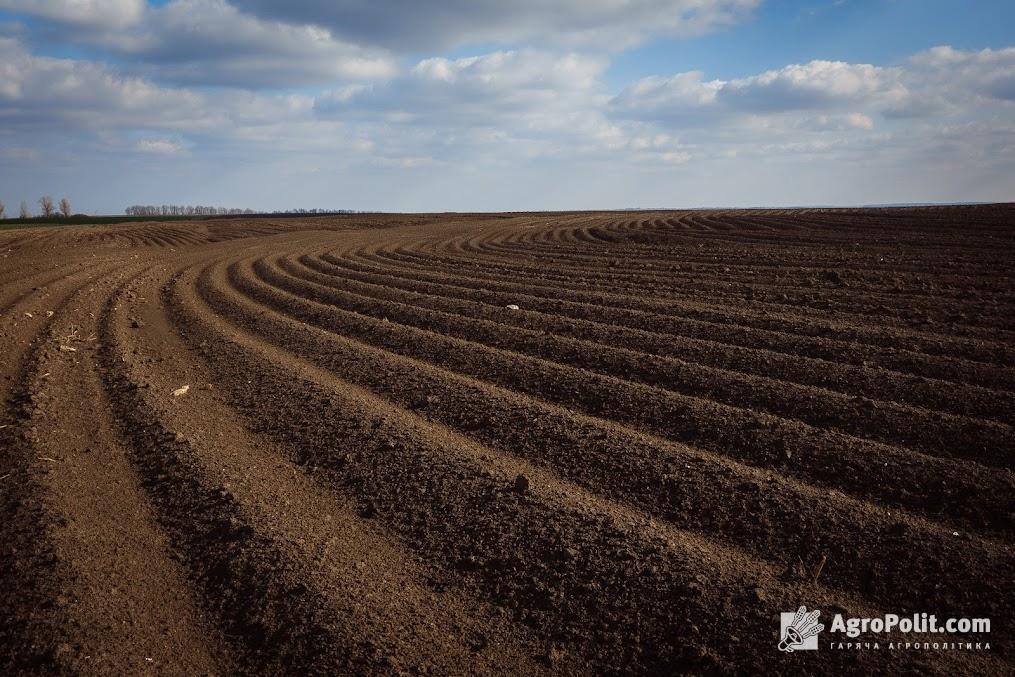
{"points": [[818, 455], [359, 603], [861, 381], [934, 433], [794, 321], [456, 503], [919, 364]]}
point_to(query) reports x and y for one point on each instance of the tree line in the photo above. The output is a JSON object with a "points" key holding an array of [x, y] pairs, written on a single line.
{"points": [[319, 212], [47, 208], [183, 210]]}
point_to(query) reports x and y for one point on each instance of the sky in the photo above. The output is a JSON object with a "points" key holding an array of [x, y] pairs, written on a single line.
{"points": [[486, 105]]}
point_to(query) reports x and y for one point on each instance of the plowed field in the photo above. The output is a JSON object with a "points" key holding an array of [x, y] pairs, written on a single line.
{"points": [[517, 443]]}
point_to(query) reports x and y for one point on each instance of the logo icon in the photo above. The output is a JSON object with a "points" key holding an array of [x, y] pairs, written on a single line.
{"points": [[800, 630]]}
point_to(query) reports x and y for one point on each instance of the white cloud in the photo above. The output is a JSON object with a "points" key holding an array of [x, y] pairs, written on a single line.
{"points": [[819, 85], [840, 122], [34, 89], [413, 25], [517, 88], [211, 42], [815, 85], [159, 147], [67, 96], [944, 105], [685, 97], [99, 13], [860, 121], [989, 73]]}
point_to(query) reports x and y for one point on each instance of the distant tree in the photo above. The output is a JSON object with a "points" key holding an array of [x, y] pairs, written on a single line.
{"points": [[25, 214], [3, 209], [65, 208], [185, 210], [46, 205]]}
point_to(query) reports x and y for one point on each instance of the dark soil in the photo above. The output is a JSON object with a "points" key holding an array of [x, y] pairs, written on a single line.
{"points": [[505, 444]]}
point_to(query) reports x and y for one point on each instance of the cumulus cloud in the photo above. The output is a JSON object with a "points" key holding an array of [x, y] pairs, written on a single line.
{"points": [[36, 90], [66, 96], [989, 73], [943, 106], [520, 104], [686, 97], [159, 147], [814, 86], [477, 91], [265, 44], [843, 122], [940, 82], [104, 13], [412, 25], [212, 42]]}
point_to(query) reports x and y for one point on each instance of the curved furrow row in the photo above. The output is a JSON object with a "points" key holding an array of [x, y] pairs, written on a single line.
{"points": [[27, 557], [938, 434], [824, 348], [819, 253], [668, 480], [822, 245], [567, 563], [872, 383], [296, 580], [824, 288], [91, 572], [676, 266], [828, 458], [735, 318], [25, 286], [810, 301]]}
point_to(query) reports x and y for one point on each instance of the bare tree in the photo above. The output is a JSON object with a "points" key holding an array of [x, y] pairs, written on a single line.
{"points": [[3, 209], [25, 214], [65, 208], [46, 205]]}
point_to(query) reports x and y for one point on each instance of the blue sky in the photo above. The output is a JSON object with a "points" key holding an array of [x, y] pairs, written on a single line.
{"points": [[485, 105], [798, 31]]}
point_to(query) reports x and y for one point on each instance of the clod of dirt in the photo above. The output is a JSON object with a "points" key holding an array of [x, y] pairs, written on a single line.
{"points": [[479, 642], [551, 657], [830, 276], [182, 390], [521, 484]]}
